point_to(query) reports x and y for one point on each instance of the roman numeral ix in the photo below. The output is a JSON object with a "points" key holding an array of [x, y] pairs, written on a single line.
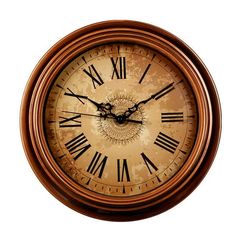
{"points": [[72, 121]]}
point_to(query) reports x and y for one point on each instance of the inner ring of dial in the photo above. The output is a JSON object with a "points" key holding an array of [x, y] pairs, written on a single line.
{"points": [[119, 130]]}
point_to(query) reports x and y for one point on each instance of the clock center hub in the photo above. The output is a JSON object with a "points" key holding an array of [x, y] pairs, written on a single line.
{"points": [[120, 119], [121, 130]]}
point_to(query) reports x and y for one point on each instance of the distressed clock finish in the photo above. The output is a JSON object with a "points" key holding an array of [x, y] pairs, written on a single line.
{"points": [[120, 120]]}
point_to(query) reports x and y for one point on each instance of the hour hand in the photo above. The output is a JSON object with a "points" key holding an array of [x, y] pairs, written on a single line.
{"points": [[104, 108]]}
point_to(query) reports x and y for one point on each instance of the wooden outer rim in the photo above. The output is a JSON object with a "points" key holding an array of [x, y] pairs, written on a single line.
{"points": [[39, 161]]}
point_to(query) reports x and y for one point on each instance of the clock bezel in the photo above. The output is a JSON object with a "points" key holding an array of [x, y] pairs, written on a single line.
{"points": [[60, 185]]}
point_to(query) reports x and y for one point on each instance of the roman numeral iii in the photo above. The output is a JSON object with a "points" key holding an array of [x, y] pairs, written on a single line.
{"points": [[77, 146], [172, 117], [166, 142], [94, 75], [119, 67], [97, 165]]}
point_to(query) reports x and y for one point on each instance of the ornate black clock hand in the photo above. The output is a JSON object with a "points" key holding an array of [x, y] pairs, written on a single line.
{"points": [[105, 117], [155, 96], [104, 108]]}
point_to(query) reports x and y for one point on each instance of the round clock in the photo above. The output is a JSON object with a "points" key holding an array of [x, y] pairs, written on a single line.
{"points": [[120, 120]]}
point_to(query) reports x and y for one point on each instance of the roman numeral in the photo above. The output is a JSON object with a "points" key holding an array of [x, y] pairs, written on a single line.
{"points": [[77, 146], [172, 117], [97, 165], [72, 94], [150, 165], [166, 142], [93, 74], [144, 73], [122, 170], [119, 67], [72, 121]]}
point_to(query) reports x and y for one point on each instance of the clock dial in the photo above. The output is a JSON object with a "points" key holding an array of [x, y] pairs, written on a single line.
{"points": [[120, 119]]}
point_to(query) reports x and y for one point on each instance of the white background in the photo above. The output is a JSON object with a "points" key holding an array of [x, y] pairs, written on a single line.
{"points": [[29, 28]]}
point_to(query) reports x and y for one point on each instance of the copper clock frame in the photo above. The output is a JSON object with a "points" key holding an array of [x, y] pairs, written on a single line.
{"points": [[118, 208]]}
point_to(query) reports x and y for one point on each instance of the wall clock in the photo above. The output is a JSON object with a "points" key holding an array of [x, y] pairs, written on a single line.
{"points": [[120, 120]]}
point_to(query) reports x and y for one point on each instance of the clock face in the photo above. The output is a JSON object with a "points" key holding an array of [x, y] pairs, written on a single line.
{"points": [[120, 119]]}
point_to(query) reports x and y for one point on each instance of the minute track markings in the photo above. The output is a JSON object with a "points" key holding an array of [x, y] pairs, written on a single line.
{"points": [[59, 86], [122, 188], [83, 58]]}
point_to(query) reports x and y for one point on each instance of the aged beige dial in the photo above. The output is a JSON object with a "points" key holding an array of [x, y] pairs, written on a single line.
{"points": [[120, 119]]}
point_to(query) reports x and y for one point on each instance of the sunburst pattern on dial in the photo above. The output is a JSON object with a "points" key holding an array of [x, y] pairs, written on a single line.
{"points": [[120, 119]]}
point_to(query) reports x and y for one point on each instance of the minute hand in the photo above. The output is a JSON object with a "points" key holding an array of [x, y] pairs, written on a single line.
{"points": [[155, 96]]}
